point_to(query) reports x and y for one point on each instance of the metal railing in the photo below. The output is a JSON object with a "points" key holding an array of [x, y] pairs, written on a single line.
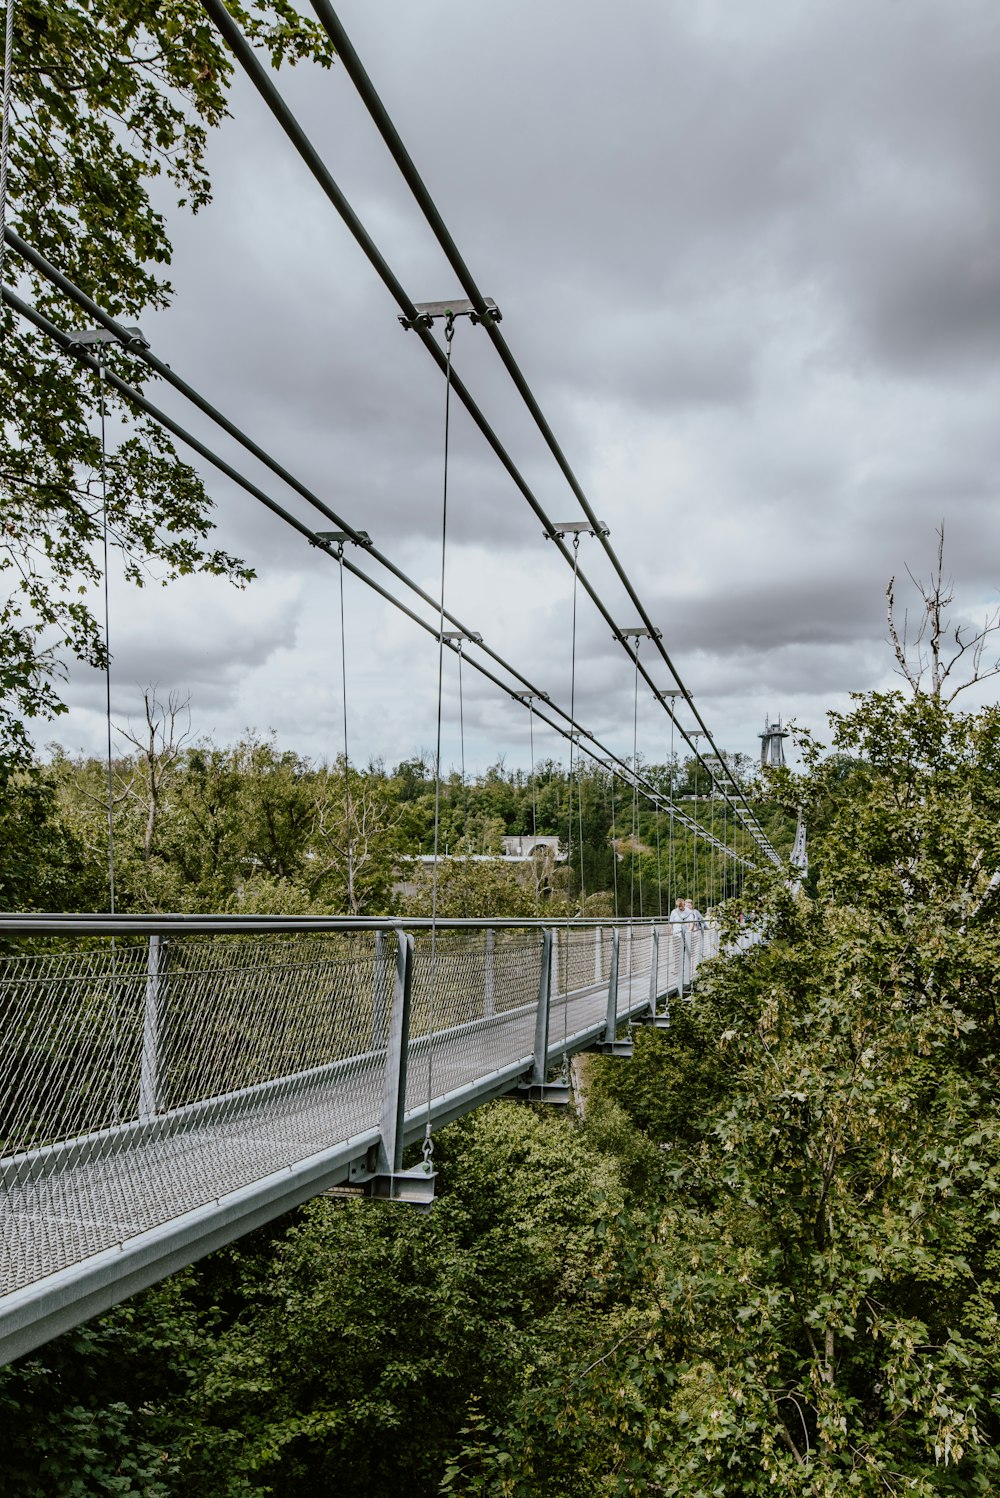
{"points": [[168, 1083]]}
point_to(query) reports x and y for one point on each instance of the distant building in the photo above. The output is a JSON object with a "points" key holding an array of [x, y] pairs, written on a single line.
{"points": [[523, 845], [516, 850]]}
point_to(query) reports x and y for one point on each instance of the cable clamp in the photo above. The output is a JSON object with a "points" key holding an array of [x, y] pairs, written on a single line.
{"points": [[576, 528], [339, 539], [127, 337], [458, 636], [427, 313]]}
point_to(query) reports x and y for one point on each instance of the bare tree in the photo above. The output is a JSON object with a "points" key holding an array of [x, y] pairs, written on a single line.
{"points": [[931, 653], [160, 744]]}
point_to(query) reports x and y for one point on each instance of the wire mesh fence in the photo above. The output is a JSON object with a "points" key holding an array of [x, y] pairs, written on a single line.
{"points": [[143, 1078]]}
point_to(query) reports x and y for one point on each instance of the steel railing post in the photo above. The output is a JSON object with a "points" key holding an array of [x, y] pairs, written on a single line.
{"points": [[390, 1155], [539, 1089], [540, 1069], [488, 1007], [150, 1066], [611, 1025], [654, 972]]}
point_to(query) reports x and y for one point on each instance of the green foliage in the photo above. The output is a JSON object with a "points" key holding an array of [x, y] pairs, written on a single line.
{"points": [[105, 96], [343, 1354]]}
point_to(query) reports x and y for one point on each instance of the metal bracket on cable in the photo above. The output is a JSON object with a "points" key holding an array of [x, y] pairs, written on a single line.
{"points": [[340, 538], [576, 528], [459, 636], [89, 336], [529, 697], [638, 634], [428, 312]]}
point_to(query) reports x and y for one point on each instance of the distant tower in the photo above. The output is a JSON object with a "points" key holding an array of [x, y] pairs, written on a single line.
{"points": [[772, 744]]}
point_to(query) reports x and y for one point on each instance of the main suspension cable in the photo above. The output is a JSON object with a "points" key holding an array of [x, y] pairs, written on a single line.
{"points": [[265, 86], [355, 70]]}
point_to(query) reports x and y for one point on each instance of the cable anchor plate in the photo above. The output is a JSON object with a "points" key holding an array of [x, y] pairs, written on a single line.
{"points": [[427, 313]]}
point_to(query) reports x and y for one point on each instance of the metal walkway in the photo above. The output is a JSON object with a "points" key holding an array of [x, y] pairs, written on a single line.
{"points": [[171, 1086]]}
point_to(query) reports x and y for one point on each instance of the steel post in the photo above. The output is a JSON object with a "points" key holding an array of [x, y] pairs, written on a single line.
{"points": [[540, 1089], [390, 1154], [611, 1025], [150, 1067], [654, 972], [541, 1066]]}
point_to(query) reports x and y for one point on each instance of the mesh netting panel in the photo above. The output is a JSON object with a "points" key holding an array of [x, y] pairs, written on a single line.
{"points": [[473, 1007], [141, 1086], [143, 1080], [70, 1041]]}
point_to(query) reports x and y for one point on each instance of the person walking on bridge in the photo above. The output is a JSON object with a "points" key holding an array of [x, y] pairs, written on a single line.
{"points": [[681, 919]]}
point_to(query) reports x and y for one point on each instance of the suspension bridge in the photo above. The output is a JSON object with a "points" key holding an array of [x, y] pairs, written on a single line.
{"points": [[168, 1083]]}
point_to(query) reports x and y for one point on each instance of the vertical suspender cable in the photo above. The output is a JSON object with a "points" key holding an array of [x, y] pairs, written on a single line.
{"points": [[534, 810], [671, 871], [449, 334], [635, 790], [614, 846], [659, 867], [579, 818], [347, 763], [461, 744], [572, 712], [107, 634]]}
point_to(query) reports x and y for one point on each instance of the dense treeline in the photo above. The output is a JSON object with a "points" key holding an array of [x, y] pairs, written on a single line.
{"points": [[255, 828], [765, 1260]]}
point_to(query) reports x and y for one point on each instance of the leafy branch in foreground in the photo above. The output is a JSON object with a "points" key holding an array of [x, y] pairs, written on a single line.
{"points": [[107, 96]]}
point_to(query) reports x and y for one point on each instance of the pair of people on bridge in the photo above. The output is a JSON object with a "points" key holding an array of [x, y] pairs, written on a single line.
{"points": [[685, 915]]}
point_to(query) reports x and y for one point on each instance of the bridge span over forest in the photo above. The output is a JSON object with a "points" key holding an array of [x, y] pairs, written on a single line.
{"points": [[171, 1083]]}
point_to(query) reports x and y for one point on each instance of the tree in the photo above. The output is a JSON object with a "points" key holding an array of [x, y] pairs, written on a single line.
{"points": [[824, 1299], [922, 656], [159, 749], [106, 96]]}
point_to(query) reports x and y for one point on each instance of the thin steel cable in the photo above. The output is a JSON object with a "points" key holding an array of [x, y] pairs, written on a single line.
{"points": [[635, 786], [461, 744], [107, 635], [614, 846], [572, 708], [347, 763], [534, 810], [449, 334], [659, 868], [671, 851], [8, 63], [579, 819]]}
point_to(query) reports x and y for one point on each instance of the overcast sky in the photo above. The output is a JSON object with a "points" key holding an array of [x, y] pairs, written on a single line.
{"points": [[748, 257]]}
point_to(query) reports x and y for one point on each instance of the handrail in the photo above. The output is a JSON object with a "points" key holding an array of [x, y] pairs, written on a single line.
{"points": [[48, 923]]}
